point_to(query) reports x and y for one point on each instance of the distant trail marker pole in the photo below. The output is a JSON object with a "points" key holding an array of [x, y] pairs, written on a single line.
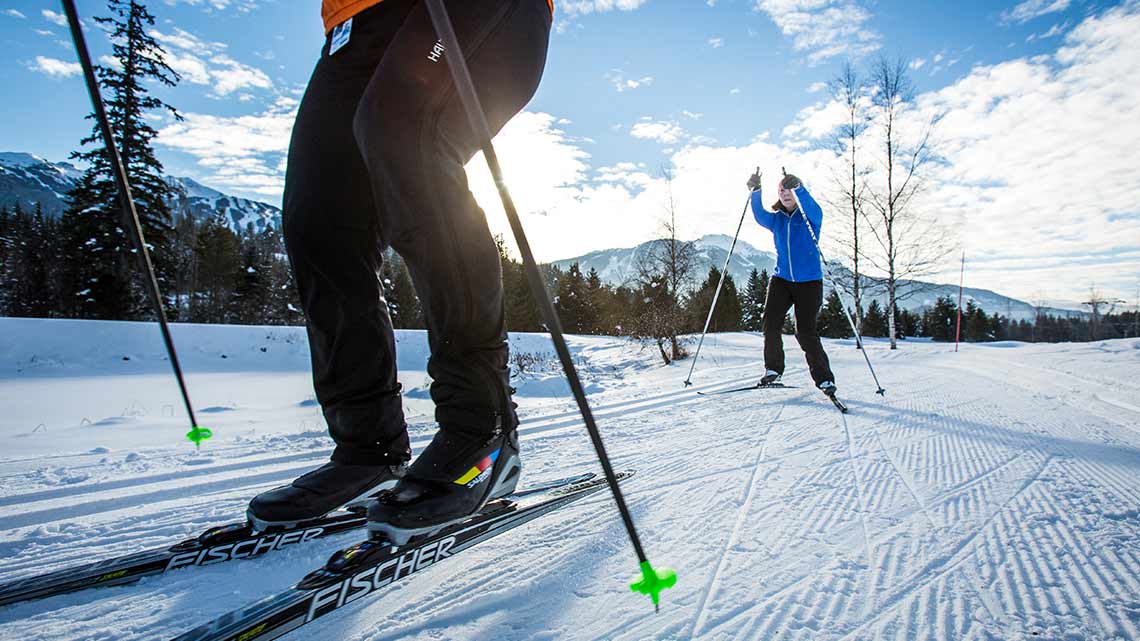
{"points": [[827, 271], [961, 282], [650, 581], [723, 273], [196, 434]]}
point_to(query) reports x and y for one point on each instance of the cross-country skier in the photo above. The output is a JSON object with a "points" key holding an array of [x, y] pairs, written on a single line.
{"points": [[377, 159], [797, 281]]}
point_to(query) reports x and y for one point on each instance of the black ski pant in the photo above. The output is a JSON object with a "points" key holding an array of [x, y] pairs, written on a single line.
{"points": [[807, 297], [377, 160]]}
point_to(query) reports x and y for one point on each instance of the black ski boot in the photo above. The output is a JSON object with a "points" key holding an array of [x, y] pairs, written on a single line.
{"points": [[770, 377], [453, 478], [828, 387], [325, 489]]}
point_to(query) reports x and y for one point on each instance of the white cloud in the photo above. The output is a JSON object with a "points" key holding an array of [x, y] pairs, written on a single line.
{"points": [[665, 132], [716, 43], [817, 87], [242, 153], [617, 78], [573, 8], [691, 114], [55, 68], [1030, 9], [55, 18], [14, 13], [1040, 173], [823, 28], [230, 75], [205, 63], [734, 91], [917, 63], [240, 6]]}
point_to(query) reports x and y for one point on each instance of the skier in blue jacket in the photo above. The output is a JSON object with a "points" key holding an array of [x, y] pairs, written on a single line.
{"points": [[797, 281]]}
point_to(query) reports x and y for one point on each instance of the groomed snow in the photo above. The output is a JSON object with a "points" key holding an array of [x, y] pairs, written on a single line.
{"points": [[991, 494]]}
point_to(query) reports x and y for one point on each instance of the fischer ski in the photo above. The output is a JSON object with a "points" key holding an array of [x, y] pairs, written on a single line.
{"points": [[371, 565], [213, 546], [750, 387]]}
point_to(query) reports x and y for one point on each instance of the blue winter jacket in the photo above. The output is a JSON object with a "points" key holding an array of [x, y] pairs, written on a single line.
{"points": [[797, 257]]}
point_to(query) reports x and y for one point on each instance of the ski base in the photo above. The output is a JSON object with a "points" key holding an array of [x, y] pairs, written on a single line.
{"points": [[216, 545], [371, 565]]}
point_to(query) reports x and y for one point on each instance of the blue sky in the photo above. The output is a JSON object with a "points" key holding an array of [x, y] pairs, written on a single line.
{"points": [[713, 87]]}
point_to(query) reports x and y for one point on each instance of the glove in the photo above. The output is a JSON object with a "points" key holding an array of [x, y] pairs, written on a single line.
{"points": [[790, 182], [754, 182]]}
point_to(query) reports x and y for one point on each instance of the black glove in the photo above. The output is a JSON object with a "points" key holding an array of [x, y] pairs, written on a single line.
{"points": [[790, 182], [754, 182]]}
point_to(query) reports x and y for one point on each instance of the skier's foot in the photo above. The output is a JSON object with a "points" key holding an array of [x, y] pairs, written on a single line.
{"points": [[771, 377], [828, 387], [325, 489], [454, 477]]}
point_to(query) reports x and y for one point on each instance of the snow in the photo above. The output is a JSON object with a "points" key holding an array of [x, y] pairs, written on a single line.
{"points": [[991, 494], [18, 159]]}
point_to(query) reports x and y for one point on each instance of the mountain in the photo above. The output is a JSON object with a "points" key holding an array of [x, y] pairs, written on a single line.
{"points": [[28, 179], [619, 267]]}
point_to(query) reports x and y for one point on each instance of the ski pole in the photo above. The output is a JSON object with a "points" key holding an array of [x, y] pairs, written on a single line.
{"points": [[723, 273], [651, 582], [196, 434], [827, 270]]}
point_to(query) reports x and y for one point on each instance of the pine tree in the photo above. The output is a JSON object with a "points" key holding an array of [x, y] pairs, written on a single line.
{"points": [[728, 316], [875, 321], [99, 252], [752, 302], [597, 296], [573, 303], [939, 321], [219, 257], [832, 321], [403, 304]]}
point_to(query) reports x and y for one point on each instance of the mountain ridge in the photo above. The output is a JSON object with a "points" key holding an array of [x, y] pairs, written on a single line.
{"points": [[28, 179]]}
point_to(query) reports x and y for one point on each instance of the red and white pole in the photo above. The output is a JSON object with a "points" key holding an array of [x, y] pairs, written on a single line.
{"points": [[961, 281]]}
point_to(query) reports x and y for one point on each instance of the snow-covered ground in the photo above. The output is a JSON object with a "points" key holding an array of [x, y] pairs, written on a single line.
{"points": [[991, 494]]}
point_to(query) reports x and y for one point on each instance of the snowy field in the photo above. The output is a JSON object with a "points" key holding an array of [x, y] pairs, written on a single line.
{"points": [[991, 494]]}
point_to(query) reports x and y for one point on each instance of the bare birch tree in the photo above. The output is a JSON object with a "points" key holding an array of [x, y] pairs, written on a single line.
{"points": [[911, 242], [850, 182], [668, 262]]}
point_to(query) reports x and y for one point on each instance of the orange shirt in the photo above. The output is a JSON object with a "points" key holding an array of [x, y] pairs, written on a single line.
{"points": [[335, 12]]}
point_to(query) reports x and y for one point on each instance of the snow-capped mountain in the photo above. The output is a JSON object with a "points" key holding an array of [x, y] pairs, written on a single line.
{"points": [[619, 267], [203, 202], [28, 179]]}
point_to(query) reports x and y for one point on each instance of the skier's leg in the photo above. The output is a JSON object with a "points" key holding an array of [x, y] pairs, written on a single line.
{"points": [[808, 300], [330, 229], [415, 138], [776, 307]]}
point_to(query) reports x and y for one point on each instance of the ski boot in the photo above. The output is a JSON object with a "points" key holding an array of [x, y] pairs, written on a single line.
{"points": [[453, 478], [828, 388], [771, 377], [325, 489]]}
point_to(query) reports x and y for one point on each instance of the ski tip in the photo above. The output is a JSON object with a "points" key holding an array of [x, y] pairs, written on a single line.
{"points": [[199, 434], [651, 582]]}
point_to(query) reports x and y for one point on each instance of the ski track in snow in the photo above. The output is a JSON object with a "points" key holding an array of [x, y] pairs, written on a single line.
{"points": [[991, 494]]}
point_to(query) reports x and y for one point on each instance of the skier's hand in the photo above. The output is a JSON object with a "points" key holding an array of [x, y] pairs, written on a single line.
{"points": [[754, 182], [790, 182]]}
